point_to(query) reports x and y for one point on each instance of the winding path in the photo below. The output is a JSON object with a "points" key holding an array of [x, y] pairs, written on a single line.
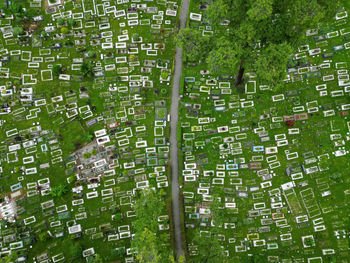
{"points": [[175, 97]]}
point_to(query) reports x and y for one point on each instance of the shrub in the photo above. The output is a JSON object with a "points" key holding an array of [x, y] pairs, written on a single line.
{"points": [[61, 21], [64, 30], [56, 69], [164, 74], [87, 155], [135, 37], [18, 31], [71, 22], [91, 53]]}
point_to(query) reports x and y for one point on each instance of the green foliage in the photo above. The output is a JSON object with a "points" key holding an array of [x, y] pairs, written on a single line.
{"points": [[87, 69], [209, 249], [224, 58], [117, 217], [135, 37], [71, 22], [309, 242], [18, 31], [164, 74], [61, 21], [132, 57], [87, 137], [75, 250], [98, 259], [59, 190], [87, 155], [194, 44], [56, 69], [64, 30], [10, 258], [148, 241], [336, 177], [91, 53], [260, 9], [272, 63], [147, 251], [43, 236], [280, 24], [93, 152]]}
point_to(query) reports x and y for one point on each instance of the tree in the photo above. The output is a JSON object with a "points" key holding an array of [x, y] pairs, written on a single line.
{"points": [[56, 69], [224, 58], [64, 30], [209, 249], [87, 69], [59, 190], [147, 250], [194, 44], [271, 64], [15, 10], [257, 25], [149, 242], [18, 31]]}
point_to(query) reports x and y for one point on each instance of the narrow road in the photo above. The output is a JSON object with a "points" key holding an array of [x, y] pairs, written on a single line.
{"points": [[174, 117]]}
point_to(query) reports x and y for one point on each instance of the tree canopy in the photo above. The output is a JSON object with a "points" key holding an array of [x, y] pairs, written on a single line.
{"points": [[150, 242], [208, 245], [194, 44], [254, 35]]}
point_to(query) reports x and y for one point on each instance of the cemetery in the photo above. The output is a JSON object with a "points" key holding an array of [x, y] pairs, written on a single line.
{"points": [[265, 171], [84, 126], [88, 131]]}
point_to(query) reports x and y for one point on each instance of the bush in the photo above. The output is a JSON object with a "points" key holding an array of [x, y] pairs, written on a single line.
{"points": [[71, 22], [64, 30], [61, 21], [18, 31], [93, 152], [135, 37], [132, 57], [87, 155], [164, 74], [91, 53], [56, 69]]}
